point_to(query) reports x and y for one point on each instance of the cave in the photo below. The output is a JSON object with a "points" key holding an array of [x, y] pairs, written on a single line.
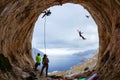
{"points": [[17, 20]]}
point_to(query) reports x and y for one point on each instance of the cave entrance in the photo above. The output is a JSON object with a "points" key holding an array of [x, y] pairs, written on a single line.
{"points": [[17, 19], [62, 37]]}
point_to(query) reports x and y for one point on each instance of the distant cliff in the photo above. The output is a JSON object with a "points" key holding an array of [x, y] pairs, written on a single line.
{"points": [[88, 65], [86, 54]]}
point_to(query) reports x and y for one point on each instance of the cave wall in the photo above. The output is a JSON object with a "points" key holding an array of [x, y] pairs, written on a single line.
{"points": [[107, 16], [18, 17]]}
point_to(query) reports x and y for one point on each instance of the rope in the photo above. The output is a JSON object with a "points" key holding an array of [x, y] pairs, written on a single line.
{"points": [[47, 13], [45, 35]]}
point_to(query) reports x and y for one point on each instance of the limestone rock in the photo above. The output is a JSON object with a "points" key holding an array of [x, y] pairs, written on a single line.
{"points": [[17, 19]]}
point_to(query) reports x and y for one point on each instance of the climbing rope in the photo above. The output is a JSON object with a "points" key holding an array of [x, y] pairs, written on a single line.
{"points": [[45, 35], [46, 13]]}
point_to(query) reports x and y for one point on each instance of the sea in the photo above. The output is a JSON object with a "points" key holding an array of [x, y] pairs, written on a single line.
{"points": [[62, 62]]}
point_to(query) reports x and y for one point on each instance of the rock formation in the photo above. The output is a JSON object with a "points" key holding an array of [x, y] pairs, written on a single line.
{"points": [[17, 19]]}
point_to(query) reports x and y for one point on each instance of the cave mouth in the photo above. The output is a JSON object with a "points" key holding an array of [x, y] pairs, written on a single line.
{"points": [[18, 17], [62, 37]]}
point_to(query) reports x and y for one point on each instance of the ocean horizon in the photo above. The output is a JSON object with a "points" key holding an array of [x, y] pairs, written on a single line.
{"points": [[62, 62]]}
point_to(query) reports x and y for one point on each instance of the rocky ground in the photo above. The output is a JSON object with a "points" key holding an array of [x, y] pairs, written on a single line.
{"points": [[78, 71], [80, 68]]}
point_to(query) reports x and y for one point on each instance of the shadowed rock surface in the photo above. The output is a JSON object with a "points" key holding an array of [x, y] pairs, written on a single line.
{"points": [[17, 19]]}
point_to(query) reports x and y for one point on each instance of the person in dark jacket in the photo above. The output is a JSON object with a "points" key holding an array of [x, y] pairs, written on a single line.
{"points": [[45, 62]]}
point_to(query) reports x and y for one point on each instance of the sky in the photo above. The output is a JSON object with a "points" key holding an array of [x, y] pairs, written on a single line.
{"points": [[61, 31]]}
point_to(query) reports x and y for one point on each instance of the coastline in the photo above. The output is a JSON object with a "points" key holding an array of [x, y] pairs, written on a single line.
{"points": [[90, 64]]}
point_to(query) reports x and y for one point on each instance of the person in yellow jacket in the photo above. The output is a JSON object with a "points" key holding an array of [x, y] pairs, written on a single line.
{"points": [[38, 61]]}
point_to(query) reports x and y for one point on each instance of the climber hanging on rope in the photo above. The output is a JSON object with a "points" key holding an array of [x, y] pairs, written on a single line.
{"points": [[80, 34], [46, 13], [87, 16]]}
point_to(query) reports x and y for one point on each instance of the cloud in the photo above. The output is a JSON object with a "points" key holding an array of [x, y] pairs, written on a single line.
{"points": [[61, 29], [60, 51]]}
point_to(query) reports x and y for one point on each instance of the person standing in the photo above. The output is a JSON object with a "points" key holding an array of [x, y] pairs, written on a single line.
{"points": [[38, 61], [45, 62]]}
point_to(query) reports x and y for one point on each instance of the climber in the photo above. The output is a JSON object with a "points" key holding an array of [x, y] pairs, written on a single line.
{"points": [[46, 13], [38, 61], [45, 62], [80, 34], [87, 16]]}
